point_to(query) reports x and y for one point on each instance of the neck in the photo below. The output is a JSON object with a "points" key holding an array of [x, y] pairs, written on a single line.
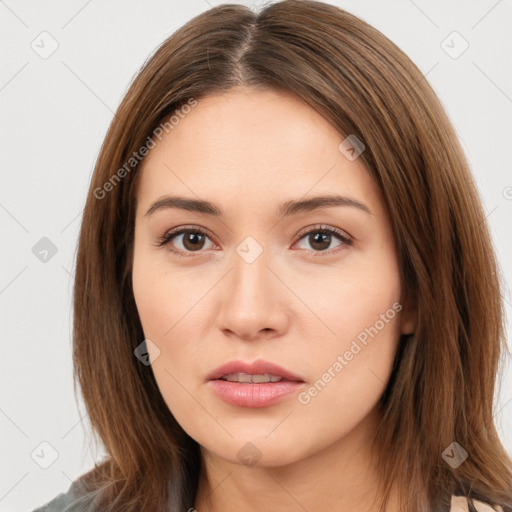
{"points": [[341, 477]]}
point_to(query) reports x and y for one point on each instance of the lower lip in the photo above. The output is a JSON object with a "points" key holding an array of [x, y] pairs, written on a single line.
{"points": [[254, 395]]}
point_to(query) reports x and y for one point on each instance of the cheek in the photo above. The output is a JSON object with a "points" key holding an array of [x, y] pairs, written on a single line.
{"points": [[354, 297], [349, 373], [365, 307], [163, 301], [172, 306], [151, 298], [362, 309], [162, 297]]}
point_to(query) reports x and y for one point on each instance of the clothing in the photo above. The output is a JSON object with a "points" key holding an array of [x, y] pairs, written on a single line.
{"points": [[74, 500], [460, 504]]}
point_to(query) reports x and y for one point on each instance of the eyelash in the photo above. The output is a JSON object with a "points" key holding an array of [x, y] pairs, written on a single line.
{"points": [[168, 237]]}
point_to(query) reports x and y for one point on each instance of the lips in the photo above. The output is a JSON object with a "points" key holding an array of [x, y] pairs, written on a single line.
{"points": [[257, 384], [259, 367]]}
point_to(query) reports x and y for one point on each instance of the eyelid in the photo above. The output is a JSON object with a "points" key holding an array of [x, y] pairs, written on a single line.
{"points": [[163, 240], [325, 227]]}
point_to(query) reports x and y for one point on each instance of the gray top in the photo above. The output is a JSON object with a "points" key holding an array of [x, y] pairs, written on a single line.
{"points": [[77, 500]]}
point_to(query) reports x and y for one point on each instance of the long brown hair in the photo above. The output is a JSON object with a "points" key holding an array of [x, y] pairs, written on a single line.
{"points": [[443, 381]]}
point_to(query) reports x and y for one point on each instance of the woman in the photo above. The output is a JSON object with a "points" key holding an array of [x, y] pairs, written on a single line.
{"points": [[286, 296]]}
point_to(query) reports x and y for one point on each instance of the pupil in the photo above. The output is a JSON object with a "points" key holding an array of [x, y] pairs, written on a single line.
{"points": [[321, 238], [194, 239]]}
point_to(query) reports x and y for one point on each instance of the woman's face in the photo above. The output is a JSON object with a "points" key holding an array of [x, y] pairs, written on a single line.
{"points": [[265, 273]]}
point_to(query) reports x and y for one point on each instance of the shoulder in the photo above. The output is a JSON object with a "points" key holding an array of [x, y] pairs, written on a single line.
{"points": [[460, 504], [76, 499]]}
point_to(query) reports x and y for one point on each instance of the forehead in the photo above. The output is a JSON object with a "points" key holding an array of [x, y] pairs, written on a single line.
{"points": [[246, 146]]}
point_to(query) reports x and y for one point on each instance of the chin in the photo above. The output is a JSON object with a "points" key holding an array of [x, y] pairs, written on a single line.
{"points": [[258, 451]]}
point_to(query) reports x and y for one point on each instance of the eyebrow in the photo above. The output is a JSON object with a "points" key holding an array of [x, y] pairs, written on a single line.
{"points": [[286, 209]]}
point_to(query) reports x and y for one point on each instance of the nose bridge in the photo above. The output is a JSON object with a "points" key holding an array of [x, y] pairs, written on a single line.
{"points": [[250, 284], [252, 298]]}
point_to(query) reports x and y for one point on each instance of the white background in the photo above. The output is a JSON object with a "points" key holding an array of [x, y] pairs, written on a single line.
{"points": [[55, 113]]}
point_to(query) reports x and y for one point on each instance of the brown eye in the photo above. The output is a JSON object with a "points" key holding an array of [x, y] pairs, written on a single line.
{"points": [[185, 240], [192, 240], [320, 239]]}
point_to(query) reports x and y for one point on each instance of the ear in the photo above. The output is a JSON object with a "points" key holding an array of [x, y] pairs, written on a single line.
{"points": [[408, 316]]}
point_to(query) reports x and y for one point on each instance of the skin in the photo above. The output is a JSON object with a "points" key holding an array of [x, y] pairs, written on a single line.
{"points": [[297, 305]]}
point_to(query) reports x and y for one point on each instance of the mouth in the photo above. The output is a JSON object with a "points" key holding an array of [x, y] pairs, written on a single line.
{"points": [[258, 384], [250, 379], [261, 371]]}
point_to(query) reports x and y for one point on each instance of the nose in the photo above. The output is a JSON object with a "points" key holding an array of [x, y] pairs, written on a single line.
{"points": [[254, 301]]}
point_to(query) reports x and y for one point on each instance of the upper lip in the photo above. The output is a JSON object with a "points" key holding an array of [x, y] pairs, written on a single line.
{"points": [[258, 367]]}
